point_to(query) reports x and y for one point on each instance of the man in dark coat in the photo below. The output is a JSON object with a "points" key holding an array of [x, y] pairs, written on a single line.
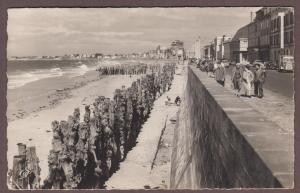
{"points": [[259, 79]]}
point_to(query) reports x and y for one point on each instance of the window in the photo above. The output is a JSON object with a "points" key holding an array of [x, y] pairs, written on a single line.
{"points": [[291, 18], [285, 20], [272, 25], [285, 38], [291, 36]]}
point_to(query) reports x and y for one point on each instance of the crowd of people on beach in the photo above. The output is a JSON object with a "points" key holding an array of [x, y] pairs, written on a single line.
{"points": [[85, 154], [247, 80]]}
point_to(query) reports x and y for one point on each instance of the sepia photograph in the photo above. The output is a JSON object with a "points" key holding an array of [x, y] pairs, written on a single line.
{"points": [[150, 98]]}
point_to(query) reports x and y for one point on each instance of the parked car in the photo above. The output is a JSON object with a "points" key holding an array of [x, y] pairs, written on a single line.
{"points": [[286, 63], [270, 65], [258, 61]]}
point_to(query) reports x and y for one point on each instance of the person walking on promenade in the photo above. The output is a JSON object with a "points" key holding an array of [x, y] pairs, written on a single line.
{"points": [[237, 78], [259, 79], [247, 80], [220, 74]]}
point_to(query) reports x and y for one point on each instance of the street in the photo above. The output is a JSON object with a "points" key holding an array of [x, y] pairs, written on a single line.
{"points": [[281, 83]]}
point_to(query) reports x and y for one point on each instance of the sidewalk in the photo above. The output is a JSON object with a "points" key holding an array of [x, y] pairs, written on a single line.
{"points": [[277, 108], [135, 172]]}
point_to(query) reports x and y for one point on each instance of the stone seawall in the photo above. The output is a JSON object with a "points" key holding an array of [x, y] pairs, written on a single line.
{"points": [[221, 142]]}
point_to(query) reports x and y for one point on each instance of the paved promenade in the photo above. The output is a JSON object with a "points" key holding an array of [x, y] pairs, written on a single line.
{"points": [[275, 107]]}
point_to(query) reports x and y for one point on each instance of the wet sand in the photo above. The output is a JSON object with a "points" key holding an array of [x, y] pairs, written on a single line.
{"points": [[44, 94]]}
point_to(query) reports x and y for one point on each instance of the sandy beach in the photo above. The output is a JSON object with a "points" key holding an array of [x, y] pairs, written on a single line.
{"points": [[32, 108], [44, 94]]}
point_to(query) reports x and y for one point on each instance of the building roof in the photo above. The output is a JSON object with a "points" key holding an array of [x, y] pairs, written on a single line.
{"points": [[241, 33]]}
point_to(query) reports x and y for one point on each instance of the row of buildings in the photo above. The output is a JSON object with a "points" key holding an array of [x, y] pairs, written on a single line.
{"points": [[175, 51], [266, 38]]}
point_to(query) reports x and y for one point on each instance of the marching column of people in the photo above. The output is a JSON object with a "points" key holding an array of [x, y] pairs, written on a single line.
{"points": [[85, 154]]}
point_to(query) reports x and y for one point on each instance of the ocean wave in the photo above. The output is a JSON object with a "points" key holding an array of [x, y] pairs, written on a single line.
{"points": [[20, 79], [83, 67], [81, 70], [56, 70], [19, 75]]}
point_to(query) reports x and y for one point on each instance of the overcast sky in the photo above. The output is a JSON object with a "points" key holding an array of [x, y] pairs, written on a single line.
{"points": [[57, 31]]}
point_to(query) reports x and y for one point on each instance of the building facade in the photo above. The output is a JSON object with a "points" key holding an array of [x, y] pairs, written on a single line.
{"points": [[259, 35], [239, 45], [219, 47], [253, 52], [227, 50], [282, 34], [177, 49], [271, 34], [217, 43], [207, 52]]}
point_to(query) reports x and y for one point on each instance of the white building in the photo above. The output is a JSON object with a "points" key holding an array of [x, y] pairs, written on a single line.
{"points": [[197, 48], [219, 46]]}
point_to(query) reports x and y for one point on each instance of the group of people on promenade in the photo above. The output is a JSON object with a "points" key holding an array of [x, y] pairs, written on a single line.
{"points": [[84, 154], [245, 78]]}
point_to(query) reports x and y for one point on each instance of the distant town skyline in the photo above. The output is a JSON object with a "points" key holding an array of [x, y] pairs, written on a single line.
{"points": [[59, 31]]}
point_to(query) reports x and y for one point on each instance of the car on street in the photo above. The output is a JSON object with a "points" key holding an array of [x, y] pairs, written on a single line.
{"points": [[270, 65], [257, 61], [286, 63]]}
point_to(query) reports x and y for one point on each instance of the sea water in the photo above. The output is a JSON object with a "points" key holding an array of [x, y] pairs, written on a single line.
{"points": [[21, 72]]}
